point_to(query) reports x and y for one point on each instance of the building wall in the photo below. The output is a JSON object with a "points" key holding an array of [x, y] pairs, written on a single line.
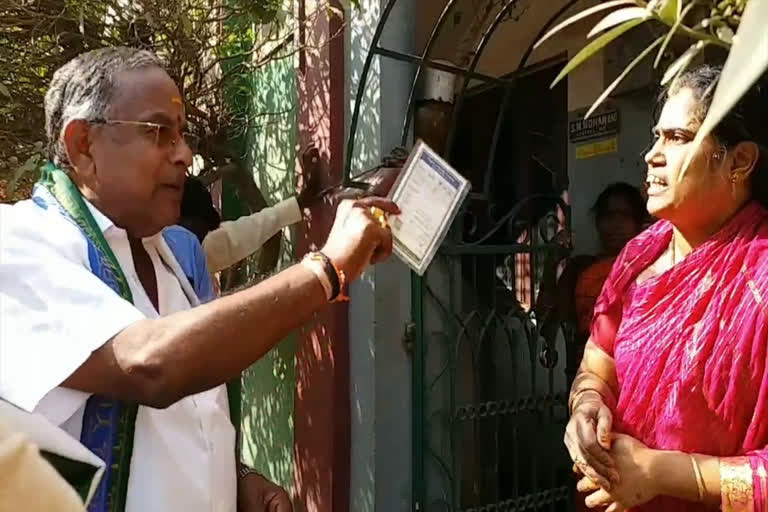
{"points": [[268, 386], [380, 368]]}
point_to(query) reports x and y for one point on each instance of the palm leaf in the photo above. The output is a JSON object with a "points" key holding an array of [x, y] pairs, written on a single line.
{"points": [[681, 63], [672, 32], [595, 46], [623, 75], [669, 12], [580, 16], [747, 61], [617, 17]]}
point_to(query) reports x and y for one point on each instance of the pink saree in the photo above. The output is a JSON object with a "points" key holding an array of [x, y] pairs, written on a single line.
{"points": [[690, 352]]}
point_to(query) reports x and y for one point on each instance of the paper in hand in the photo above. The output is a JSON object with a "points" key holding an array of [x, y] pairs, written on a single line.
{"points": [[429, 193]]}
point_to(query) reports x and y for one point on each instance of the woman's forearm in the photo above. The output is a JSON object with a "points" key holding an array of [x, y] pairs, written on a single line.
{"points": [[729, 482], [675, 476], [597, 373]]}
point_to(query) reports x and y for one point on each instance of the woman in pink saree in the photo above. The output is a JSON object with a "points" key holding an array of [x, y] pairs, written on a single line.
{"points": [[670, 406]]}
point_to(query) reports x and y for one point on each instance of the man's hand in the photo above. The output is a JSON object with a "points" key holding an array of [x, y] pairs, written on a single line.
{"points": [[380, 182], [313, 169], [357, 239], [257, 494]]}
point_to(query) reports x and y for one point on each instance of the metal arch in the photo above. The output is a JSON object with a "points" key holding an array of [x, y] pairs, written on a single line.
{"points": [[510, 78], [422, 61], [361, 87], [425, 53], [544, 28], [508, 95], [374, 50], [475, 60]]}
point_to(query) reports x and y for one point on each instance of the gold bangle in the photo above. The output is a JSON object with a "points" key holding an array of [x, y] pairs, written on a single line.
{"points": [[574, 401], [699, 479], [736, 485]]}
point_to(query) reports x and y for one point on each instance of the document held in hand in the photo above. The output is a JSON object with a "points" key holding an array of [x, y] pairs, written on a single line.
{"points": [[429, 193]]}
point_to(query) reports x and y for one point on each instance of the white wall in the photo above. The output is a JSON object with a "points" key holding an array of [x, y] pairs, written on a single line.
{"points": [[380, 368]]}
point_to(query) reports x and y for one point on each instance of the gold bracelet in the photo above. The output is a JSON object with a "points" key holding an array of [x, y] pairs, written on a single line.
{"points": [[736, 485], [574, 401], [699, 479]]}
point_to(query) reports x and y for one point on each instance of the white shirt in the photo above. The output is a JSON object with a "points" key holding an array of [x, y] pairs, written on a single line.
{"points": [[54, 312], [236, 240]]}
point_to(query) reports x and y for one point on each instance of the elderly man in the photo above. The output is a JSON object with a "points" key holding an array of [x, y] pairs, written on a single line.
{"points": [[99, 332]]}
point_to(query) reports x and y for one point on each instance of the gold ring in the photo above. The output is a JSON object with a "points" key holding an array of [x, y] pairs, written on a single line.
{"points": [[380, 216]]}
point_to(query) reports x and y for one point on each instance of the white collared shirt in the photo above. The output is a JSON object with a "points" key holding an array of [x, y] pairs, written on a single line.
{"points": [[54, 312]]}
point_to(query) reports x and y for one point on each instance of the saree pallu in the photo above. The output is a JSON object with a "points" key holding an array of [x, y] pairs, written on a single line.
{"points": [[690, 352]]}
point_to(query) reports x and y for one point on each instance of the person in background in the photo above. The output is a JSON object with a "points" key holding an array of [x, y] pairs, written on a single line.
{"points": [[669, 410], [620, 214], [226, 243]]}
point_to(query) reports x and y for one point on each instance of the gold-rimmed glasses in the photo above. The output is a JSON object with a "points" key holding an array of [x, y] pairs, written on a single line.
{"points": [[164, 135]]}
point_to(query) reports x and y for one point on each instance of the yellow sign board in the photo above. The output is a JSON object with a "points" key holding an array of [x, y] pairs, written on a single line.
{"points": [[601, 147]]}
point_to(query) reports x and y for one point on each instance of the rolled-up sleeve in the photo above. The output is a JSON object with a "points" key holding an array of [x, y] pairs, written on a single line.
{"points": [[53, 311]]}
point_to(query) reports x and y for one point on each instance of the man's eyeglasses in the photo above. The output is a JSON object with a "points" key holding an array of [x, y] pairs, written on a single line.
{"points": [[164, 136]]}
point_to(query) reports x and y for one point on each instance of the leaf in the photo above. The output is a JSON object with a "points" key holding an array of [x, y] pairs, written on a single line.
{"points": [[186, 24], [623, 75], [672, 32], [678, 67], [747, 61], [669, 11], [4, 90], [594, 47], [617, 17], [724, 33], [580, 16]]}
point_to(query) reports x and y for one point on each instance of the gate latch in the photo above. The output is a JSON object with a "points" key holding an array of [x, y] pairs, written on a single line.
{"points": [[409, 337]]}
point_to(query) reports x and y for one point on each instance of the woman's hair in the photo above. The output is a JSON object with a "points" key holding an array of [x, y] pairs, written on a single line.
{"points": [[627, 192], [746, 121]]}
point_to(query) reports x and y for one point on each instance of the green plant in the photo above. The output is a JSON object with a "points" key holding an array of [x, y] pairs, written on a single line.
{"points": [[212, 48], [735, 25]]}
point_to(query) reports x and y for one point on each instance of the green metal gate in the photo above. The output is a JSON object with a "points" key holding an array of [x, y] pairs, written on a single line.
{"points": [[489, 389], [489, 413]]}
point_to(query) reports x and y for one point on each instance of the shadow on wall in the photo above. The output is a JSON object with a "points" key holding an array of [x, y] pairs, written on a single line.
{"points": [[321, 423], [367, 152], [268, 386]]}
